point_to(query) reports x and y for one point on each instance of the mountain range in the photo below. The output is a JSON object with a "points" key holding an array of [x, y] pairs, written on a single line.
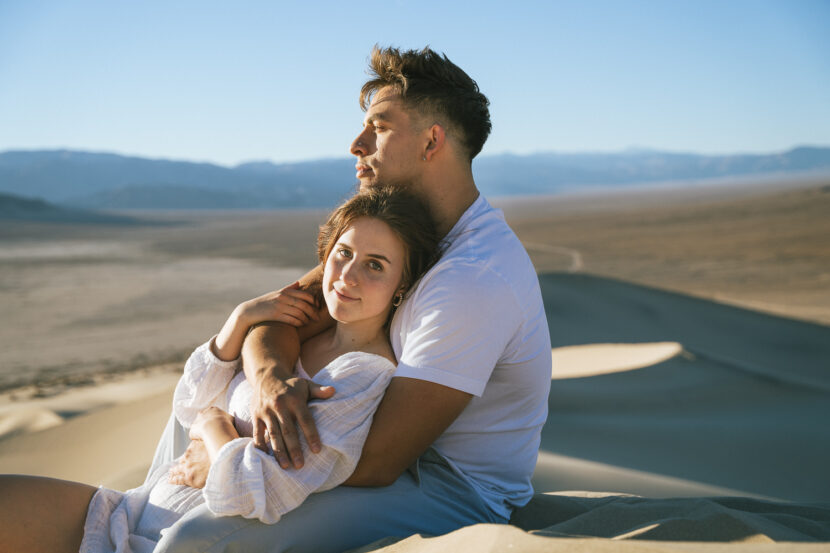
{"points": [[79, 179]]}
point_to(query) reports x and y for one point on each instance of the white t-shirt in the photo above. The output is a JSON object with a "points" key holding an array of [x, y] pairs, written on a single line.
{"points": [[475, 322]]}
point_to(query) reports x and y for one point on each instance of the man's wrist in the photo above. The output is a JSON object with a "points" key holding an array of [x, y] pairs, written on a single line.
{"points": [[267, 353], [271, 373]]}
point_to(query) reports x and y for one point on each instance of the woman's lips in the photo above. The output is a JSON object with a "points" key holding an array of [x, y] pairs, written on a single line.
{"points": [[344, 297]]}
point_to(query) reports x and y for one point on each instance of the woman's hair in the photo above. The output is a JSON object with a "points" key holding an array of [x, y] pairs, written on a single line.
{"points": [[403, 212], [434, 87]]}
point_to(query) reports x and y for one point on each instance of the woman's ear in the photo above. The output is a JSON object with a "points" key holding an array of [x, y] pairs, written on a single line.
{"points": [[397, 299]]}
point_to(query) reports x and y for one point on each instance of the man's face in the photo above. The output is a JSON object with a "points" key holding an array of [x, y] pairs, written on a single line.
{"points": [[389, 148]]}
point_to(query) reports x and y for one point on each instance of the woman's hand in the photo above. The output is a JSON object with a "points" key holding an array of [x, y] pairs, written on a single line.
{"points": [[215, 428], [192, 468], [290, 305]]}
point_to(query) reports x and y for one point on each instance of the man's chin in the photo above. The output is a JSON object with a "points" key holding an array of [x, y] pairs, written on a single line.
{"points": [[369, 182]]}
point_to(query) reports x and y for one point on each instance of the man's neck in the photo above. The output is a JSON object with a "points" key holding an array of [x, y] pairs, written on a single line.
{"points": [[449, 194]]}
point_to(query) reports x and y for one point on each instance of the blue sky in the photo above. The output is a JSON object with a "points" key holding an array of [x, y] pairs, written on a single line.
{"points": [[228, 82]]}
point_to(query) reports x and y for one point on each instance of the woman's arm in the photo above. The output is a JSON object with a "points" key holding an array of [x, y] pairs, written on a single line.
{"points": [[215, 428], [211, 430]]}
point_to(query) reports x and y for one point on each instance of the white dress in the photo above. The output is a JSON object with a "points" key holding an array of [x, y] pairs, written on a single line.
{"points": [[243, 480]]}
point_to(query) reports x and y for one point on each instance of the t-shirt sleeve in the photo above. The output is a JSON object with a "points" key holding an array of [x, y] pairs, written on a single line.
{"points": [[460, 322]]}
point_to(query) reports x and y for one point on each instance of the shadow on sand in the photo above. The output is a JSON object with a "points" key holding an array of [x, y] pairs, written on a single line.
{"points": [[743, 408]]}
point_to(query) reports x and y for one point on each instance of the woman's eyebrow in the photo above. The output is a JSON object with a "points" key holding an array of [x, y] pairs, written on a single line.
{"points": [[379, 256]]}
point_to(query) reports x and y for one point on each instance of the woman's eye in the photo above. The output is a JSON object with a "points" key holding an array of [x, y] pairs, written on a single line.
{"points": [[345, 253], [375, 266]]}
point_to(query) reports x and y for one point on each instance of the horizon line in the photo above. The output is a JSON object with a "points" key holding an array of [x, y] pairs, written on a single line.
{"points": [[631, 150]]}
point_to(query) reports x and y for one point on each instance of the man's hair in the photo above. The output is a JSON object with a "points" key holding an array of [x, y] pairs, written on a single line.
{"points": [[403, 212], [432, 85]]}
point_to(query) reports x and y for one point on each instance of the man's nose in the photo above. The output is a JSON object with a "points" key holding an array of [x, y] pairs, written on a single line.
{"points": [[360, 145]]}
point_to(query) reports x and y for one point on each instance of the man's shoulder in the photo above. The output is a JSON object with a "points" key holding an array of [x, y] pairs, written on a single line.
{"points": [[487, 244]]}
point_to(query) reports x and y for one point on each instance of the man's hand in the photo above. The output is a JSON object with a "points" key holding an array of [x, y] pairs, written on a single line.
{"points": [[278, 407], [280, 401], [193, 467]]}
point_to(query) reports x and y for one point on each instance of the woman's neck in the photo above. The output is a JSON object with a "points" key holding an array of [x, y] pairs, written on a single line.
{"points": [[366, 336], [359, 336]]}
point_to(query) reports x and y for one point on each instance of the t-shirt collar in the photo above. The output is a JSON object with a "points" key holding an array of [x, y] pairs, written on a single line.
{"points": [[476, 208]]}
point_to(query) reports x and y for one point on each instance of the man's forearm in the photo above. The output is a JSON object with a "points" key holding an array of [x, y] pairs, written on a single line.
{"points": [[411, 416], [270, 350]]}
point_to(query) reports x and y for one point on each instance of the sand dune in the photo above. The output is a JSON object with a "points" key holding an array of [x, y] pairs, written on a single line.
{"points": [[715, 414], [740, 408], [701, 414], [110, 444]]}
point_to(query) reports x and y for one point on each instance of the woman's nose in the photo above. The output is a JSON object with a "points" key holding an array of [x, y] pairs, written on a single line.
{"points": [[349, 273]]}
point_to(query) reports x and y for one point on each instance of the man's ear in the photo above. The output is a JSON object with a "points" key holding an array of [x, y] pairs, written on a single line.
{"points": [[437, 139]]}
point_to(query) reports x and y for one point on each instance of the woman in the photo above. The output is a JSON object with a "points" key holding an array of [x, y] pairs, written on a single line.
{"points": [[374, 248]]}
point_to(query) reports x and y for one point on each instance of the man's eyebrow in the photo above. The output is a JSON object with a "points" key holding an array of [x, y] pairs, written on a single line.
{"points": [[377, 116]]}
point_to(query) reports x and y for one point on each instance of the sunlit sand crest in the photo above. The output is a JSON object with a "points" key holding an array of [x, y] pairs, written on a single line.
{"points": [[596, 359]]}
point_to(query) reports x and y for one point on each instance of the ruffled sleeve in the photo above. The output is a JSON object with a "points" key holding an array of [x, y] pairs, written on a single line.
{"points": [[246, 481], [203, 384]]}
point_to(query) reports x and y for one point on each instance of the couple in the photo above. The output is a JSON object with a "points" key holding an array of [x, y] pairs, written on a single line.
{"points": [[455, 433]]}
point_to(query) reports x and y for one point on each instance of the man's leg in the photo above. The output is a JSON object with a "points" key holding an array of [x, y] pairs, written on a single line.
{"points": [[429, 499]]}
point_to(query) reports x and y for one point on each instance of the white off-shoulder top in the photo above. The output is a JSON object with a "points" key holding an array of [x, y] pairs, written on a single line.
{"points": [[244, 480]]}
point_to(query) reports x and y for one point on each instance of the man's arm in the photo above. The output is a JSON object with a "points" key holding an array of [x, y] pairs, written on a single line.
{"points": [[269, 355], [444, 339], [411, 416]]}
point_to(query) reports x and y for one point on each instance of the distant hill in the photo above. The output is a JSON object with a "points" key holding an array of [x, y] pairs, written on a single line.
{"points": [[110, 181], [17, 208], [101, 180], [547, 173]]}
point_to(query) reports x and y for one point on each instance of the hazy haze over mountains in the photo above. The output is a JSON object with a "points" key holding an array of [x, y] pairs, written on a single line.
{"points": [[111, 181]]}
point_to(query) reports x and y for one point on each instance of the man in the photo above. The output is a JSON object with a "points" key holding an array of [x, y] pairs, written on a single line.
{"points": [[455, 439]]}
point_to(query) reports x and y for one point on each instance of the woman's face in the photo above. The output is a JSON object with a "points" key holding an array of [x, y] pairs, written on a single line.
{"points": [[363, 272]]}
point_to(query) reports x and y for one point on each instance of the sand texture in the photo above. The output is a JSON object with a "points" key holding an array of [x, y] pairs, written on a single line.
{"points": [[680, 419]]}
